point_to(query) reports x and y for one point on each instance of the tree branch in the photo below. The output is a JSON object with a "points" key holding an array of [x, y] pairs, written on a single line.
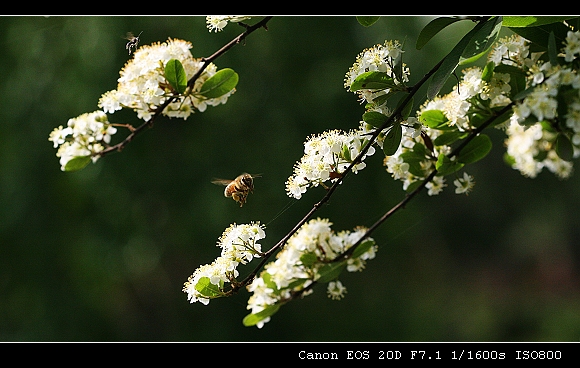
{"points": [[409, 196], [331, 190]]}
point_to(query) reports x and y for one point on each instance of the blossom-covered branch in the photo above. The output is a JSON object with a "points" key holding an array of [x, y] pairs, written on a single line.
{"points": [[444, 137], [160, 79]]}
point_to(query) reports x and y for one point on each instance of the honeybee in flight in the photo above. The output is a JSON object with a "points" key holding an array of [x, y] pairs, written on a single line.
{"points": [[239, 188], [133, 41]]}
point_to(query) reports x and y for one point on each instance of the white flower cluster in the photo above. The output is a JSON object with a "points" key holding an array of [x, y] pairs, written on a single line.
{"points": [[326, 156], [84, 136], [526, 144], [380, 58], [456, 106], [142, 85], [239, 244], [512, 50], [217, 23], [531, 138], [299, 264]]}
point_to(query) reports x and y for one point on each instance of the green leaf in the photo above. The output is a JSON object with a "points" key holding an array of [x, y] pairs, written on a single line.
{"points": [[552, 49], [330, 271], [362, 248], [414, 185], [253, 319], [268, 280], [372, 80], [478, 118], [475, 150], [206, 288], [393, 140], [77, 163], [380, 100], [367, 21], [540, 156], [531, 21], [398, 67], [294, 285], [501, 118], [433, 118], [446, 166], [449, 64], [345, 153], [523, 94], [539, 35], [448, 138], [487, 73], [308, 259], [482, 41], [517, 79], [469, 47], [529, 121], [374, 118], [509, 160], [420, 149], [175, 75], [564, 148], [220, 83], [406, 111], [432, 28], [414, 160], [567, 96]]}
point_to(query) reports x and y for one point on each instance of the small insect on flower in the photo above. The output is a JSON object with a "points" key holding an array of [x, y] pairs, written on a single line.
{"points": [[133, 41], [239, 188]]}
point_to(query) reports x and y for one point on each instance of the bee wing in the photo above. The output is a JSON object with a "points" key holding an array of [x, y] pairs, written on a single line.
{"points": [[252, 175], [221, 181], [129, 36]]}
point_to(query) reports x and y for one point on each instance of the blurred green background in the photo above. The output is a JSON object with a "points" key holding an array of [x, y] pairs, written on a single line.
{"points": [[102, 254]]}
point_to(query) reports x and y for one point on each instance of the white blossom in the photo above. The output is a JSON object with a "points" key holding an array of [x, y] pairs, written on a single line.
{"points": [[326, 157], [336, 290], [239, 245], [572, 45], [464, 184], [217, 23]]}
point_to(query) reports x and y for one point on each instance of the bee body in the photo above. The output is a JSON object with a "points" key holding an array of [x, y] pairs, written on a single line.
{"points": [[239, 188]]}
